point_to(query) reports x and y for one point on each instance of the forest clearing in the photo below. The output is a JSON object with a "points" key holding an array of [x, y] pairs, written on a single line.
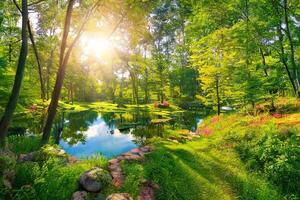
{"points": [[149, 100]]}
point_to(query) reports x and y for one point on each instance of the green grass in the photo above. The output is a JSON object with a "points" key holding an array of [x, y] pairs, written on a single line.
{"points": [[237, 157], [51, 179], [193, 171]]}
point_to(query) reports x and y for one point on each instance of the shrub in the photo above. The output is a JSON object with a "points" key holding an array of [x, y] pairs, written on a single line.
{"points": [[23, 144], [7, 162], [276, 155], [26, 192], [26, 173], [165, 104]]}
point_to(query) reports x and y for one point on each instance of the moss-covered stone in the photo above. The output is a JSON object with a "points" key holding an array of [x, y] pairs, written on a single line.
{"points": [[95, 179]]}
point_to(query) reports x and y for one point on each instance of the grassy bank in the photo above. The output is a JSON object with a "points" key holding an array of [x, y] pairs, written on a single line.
{"points": [[236, 156]]}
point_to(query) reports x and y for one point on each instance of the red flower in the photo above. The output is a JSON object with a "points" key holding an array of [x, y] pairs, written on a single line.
{"points": [[277, 115], [32, 108], [207, 132]]}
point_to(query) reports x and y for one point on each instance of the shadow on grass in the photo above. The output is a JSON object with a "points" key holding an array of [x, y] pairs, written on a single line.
{"points": [[183, 174]]}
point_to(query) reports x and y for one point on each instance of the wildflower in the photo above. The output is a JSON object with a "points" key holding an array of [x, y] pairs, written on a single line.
{"points": [[207, 132]]}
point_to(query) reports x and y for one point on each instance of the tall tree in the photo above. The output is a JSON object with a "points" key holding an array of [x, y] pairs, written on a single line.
{"points": [[63, 61], [13, 99], [60, 74]]}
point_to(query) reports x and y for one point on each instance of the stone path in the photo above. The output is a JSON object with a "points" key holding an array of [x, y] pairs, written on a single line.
{"points": [[115, 167], [147, 190]]}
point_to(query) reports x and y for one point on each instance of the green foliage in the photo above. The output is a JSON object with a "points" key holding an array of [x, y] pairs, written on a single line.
{"points": [[48, 177], [275, 154], [26, 192], [134, 173], [26, 173], [21, 144], [7, 162]]}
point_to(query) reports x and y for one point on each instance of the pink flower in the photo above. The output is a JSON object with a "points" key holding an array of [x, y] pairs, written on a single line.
{"points": [[207, 132]]}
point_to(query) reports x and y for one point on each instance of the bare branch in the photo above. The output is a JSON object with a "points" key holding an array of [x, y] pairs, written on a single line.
{"points": [[18, 7]]}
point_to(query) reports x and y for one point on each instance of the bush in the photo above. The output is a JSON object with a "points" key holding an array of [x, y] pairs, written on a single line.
{"points": [[165, 104], [276, 155], [26, 173], [26, 192], [23, 144], [7, 162]]}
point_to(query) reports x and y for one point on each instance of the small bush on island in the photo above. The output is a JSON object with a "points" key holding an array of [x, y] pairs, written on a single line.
{"points": [[164, 104]]}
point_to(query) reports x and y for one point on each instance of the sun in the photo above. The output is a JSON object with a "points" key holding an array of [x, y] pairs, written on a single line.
{"points": [[96, 46]]}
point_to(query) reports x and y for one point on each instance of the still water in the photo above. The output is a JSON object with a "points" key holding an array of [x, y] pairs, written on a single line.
{"points": [[100, 138], [88, 133]]}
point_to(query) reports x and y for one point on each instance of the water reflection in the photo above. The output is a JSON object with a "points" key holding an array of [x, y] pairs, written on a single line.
{"points": [[100, 138], [109, 133]]}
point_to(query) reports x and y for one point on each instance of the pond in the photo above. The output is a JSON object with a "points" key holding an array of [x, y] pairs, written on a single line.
{"points": [[89, 132]]}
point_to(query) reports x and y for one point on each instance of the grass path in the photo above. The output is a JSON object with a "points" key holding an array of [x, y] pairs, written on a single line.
{"points": [[196, 170]]}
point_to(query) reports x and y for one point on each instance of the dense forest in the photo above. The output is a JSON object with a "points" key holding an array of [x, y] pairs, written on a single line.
{"points": [[150, 99]]}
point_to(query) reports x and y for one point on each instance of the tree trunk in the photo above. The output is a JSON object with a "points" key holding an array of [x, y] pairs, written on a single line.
{"points": [[146, 86], [292, 49], [134, 88], [218, 95], [121, 86], [263, 61], [13, 99], [72, 93], [35, 51], [283, 59], [161, 87], [63, 60]]}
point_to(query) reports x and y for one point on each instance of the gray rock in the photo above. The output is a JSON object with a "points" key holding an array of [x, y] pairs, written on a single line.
{"points": [[8, 178], [27, 157], [79, 195], [95, 179], [119, 196]]}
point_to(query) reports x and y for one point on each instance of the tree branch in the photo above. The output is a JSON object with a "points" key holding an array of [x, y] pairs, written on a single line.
{"points": [[35, 3]]}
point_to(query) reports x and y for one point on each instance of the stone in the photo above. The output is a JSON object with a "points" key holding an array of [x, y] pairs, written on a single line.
{"points": [[72, 160], [146, 149], [147, 190], [8, 178], [119, 196], [27, 157], [136, 151], [115, 173], [141, 154], [113, 161], [80, 195], [115, 167], [127, 154], [117, 181], [120, 158], [95, 179], [133, 157]]}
